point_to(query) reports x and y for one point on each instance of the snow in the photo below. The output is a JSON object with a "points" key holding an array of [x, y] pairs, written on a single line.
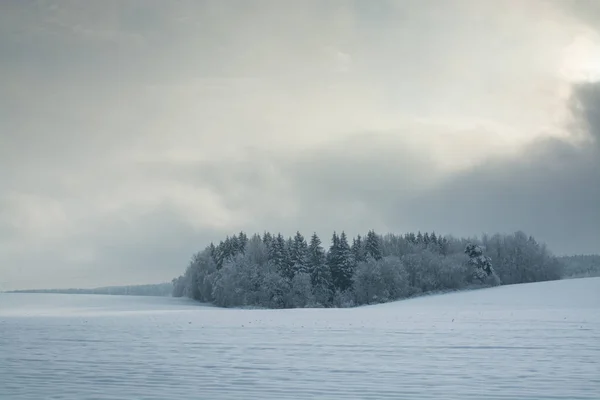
{"points": [[534, 341]]}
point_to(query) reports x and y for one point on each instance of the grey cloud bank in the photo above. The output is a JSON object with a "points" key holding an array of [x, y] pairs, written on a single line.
{"points": [[132, 135]]}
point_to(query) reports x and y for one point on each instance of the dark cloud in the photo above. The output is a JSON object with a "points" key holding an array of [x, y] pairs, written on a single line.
{"points": [[586, 106], [550, 189]]}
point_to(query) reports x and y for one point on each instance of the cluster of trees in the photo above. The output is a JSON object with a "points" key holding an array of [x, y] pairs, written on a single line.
{"points": [[271, 271]]}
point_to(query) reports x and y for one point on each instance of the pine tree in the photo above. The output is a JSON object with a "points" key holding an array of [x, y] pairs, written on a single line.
{"points": [[320, 274], [299, 254], [287, 255], [444, 245], [242, 242], [222, 253], [278, 256], [419, 238], [234, 246], [212, 250], [358, 249], [316, 255], [426, 239], [345, 264], [433, 238], [267, 239], [373, 246], [333, 258], [229, 248]]}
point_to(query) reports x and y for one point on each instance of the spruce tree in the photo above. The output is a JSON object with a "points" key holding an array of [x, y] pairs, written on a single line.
{"points": [[333, 259], [222, 253], [345, 264], [278, 256], [267, 239], [299, 254], [212, 250], [413, 238], [234, 246], [433, 238], [316, 256], [242, 241], [287, 255], [358, 249], [419, 238], [444, 245], [426, 239], [320, 274], [373, 246]]}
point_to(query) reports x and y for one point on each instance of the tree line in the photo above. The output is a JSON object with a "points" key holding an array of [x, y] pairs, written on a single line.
{"points": [[581, 266], [271, 271], [159, 289]]}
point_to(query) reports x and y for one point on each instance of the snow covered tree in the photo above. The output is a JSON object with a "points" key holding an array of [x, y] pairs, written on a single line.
{"points": [[481, 264], [221, 254], [197, 277], [333, 258], [278, 256], [234, 245], [433, 239], [257, 251], [299, 254], [380, 281], [426, 239], [343, 266], [242, 240], [276, 291], [178, 287], [267, 239], [317, 262], [212, 250], [373, 246], [444, 246], [419, 238], [320, 273], [302, 293], [358, 249]]}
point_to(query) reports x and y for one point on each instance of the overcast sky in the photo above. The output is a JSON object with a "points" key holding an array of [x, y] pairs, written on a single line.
{"points": [[133, 133]]}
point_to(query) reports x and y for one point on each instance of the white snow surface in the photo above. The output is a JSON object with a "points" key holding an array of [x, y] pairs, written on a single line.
{"points": [[534, 341]]}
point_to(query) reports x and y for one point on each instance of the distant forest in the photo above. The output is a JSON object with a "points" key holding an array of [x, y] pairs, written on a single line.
{"points": [[581, 266], [160, 289], [271, 271]]}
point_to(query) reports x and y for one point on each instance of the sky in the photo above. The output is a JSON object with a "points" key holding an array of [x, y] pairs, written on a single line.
{"points": [[134, 133]]}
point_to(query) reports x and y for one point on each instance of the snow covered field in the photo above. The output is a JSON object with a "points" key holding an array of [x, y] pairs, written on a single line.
{"points": [[535, 341]]}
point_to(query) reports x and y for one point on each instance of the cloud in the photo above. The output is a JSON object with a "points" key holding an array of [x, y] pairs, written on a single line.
{"points": [[549, 188], [587, 11], [130, 248], [586, 107]]}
